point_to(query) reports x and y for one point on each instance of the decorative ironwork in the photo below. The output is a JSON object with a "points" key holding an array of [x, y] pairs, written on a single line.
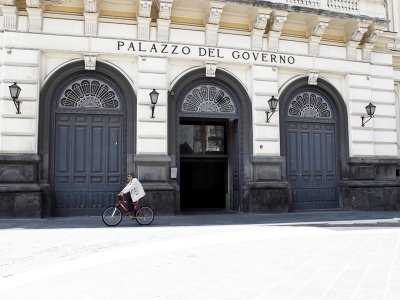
{"points": [[208, 99], [310, 105], [89, 94]]}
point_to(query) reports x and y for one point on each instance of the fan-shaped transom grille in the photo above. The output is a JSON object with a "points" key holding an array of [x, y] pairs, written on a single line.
{"points": [[208, 99], [89, 94], [309, 105]]}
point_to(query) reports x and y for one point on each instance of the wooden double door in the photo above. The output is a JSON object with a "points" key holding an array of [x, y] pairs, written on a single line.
{"points": [[87, 162], [312, 165], [312, 150]]}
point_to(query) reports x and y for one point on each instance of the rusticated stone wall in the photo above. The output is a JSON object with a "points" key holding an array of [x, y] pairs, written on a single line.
{"points": [[269, 191], [20, 195], [373, 184]]}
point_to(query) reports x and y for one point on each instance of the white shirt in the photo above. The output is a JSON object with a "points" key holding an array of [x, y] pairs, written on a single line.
{"points": [[135, 188]]}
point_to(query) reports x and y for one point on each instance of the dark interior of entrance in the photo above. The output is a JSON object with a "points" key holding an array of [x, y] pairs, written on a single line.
{"points": [[203, 164], [202, 184]]}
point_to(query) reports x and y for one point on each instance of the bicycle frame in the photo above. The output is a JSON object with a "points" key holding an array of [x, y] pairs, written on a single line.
{"points": [[122, 203]]}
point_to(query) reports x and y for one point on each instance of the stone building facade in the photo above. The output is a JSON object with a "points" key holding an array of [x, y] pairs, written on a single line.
{"points": [[86, 69]]}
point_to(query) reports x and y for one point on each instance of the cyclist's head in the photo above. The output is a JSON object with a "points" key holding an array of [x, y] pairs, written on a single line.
{"points": [[132, 175]]}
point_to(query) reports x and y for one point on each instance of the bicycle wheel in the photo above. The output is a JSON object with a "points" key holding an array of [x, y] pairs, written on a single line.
{"points": [[144, 215], [112, 216]]}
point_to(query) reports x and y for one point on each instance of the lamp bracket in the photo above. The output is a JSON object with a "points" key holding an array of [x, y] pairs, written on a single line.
{"points": [[365, 119], [17, 104], [152, 107], [269, 115]]}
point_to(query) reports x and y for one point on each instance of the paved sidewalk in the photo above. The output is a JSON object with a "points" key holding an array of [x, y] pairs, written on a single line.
{"points": [[315, 255], [317, 218]]}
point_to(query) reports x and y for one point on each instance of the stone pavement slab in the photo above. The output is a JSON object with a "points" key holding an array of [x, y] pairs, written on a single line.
{"points": [[321, 255]]}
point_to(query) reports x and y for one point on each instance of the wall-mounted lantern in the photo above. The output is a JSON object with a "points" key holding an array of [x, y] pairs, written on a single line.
{"points": [[153, 98], [272, 103], [14, 92], [370, 108]]}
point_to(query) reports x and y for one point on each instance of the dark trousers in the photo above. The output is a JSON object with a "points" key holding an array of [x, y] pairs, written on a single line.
{"points": [[129, 202]]}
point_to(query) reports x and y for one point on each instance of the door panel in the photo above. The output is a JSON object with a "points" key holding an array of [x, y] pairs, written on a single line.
{"points": [[114, 156], [235, 164], [312, 165], [87, 163]]}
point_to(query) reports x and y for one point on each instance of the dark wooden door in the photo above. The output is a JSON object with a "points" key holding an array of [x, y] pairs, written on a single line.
{"points": [[87, 160], [235, 165], [312, 165]]}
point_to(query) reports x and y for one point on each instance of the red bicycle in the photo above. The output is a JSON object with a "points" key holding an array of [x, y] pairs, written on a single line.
{"points": [[112, 215]]}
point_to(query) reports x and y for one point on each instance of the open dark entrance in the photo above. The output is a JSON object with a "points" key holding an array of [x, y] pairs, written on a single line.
{"points": [[201, 184], [215, 114], [203, 164]]}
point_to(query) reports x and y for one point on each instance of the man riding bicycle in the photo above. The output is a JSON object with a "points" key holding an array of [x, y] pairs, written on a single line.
{"points": [[133, 191]]}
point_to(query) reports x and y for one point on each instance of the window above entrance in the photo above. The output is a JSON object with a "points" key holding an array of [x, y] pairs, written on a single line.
{"points": [[89, 93], [207, 98], [309, 105], [200, 138]]}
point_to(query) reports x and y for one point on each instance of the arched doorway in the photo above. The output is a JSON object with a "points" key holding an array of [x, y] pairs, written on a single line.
{"points": [[208, 130], [207, 139], [87, 142], [87, 152], [312, 141]]}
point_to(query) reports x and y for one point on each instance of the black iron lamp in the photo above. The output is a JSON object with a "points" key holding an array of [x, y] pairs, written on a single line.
{"points": [[14, 92], [272, 103], [153, 98], [370, 108]]}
